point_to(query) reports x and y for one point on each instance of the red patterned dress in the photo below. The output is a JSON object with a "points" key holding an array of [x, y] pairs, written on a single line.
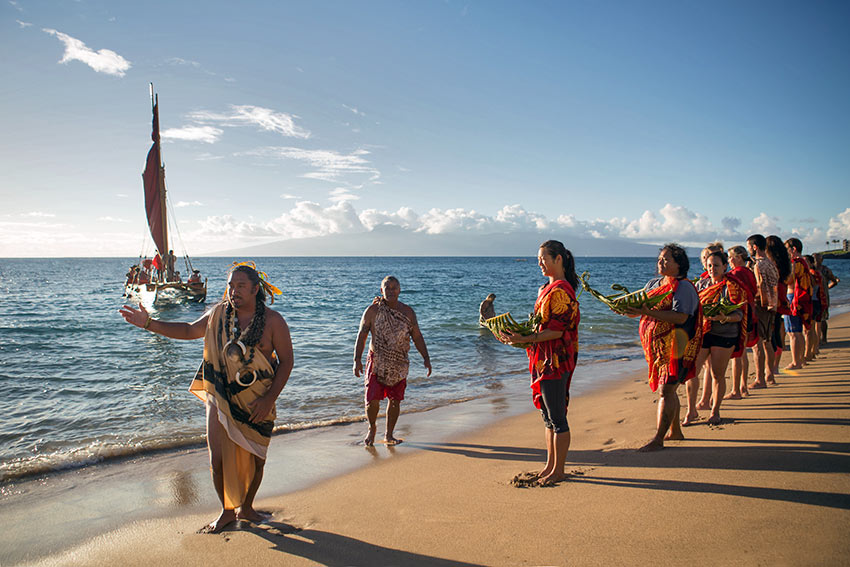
{"points": [[548, 360]]}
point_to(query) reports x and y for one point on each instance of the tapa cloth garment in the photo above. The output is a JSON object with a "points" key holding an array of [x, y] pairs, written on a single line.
{"points": [[559, 311], [667, 347], [215, 383], [390, 343]]}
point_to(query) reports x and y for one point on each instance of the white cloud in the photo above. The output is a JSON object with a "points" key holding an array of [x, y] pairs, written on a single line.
{"points": [[112, 219], [839, 225], [329, 165], [354, 110], [341, 194], [181, 204], [103, 61], [23, 24], [14, 4], [671, 223], [38, 214], [289, 196], [765, 224], [405, 217], [206, 134], [266, 118], [182, 62]]}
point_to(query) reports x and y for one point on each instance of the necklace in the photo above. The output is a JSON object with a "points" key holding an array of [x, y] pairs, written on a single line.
{"points": [[235, 349]]}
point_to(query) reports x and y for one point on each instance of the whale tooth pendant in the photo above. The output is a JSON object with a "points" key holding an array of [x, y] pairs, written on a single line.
{"points": [[240, 376], [232, 352]]}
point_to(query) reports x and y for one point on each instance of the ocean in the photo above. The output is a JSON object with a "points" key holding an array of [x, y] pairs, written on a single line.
{"points": [[83, 386]]}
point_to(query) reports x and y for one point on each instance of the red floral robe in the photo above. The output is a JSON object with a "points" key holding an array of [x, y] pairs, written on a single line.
{"points": [[559, 311], [666, 346], [817, 282], [737, 294], [747, 280], [801, 305]]}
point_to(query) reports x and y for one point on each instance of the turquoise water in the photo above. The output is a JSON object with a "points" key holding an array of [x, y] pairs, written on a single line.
{"points": [[81, 385]]}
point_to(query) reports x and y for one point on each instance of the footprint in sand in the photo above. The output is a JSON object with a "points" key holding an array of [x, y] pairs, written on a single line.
{"points": [[609, 442], [621, 420]]}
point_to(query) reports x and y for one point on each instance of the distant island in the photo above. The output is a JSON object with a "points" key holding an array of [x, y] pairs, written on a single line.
{"points": [[389, 240]]}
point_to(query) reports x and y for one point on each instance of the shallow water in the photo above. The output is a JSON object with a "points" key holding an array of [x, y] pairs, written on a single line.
{"points": [[82, 385]]}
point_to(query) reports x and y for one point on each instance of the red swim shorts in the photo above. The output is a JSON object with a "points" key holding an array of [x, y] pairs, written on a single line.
{"points": [[377, 391]]}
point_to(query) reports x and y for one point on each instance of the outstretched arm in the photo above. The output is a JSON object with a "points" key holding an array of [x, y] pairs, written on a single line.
{"points": [[174, 330]]}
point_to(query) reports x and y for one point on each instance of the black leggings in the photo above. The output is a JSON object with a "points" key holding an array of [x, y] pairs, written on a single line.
{"points": [[555, 397]]}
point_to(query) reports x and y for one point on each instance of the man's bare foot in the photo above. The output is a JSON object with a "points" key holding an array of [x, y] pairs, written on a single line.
{"points": [[793, 367], [390, 440], [370, 436], [690, 419], [654, 445], [732, 396], [771, 381], [674, 436], [224, 519], [757, 385], [714, 420], [248, 514], [703, 405]]}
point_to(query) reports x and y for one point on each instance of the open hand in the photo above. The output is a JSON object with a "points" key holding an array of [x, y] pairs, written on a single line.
{"points": [[137, 317]]}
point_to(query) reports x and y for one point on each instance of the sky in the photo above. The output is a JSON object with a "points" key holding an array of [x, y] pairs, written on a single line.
{"points": [[650, 121]]}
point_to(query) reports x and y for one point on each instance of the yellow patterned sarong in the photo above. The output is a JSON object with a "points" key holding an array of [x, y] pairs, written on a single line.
{"points": [[215, 384]]}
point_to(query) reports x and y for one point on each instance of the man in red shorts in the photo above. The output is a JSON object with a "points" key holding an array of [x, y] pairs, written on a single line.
{"points": [[392, 325]]}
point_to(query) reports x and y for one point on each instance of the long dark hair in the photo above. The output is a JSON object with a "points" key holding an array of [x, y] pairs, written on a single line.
{"points": [[556, 248], [680, 256], [777, 252]]}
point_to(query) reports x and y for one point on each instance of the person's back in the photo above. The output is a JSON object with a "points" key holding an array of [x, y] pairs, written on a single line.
{"points": [[486, 310]]}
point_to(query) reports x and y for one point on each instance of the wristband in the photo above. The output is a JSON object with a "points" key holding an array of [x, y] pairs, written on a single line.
{"points": [[148, 322]]}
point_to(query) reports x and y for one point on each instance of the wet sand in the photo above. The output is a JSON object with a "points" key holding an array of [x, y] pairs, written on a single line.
{"points": [[770, 485]]}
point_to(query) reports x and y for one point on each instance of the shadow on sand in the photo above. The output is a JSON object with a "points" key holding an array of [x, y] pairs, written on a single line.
{"points": [[335, 550]]}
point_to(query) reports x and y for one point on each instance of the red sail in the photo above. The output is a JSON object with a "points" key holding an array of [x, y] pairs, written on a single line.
{"points": [[154, 180]]}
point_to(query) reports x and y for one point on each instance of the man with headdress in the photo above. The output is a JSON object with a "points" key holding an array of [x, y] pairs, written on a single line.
{"points": [[247, 362], [392, 325]]}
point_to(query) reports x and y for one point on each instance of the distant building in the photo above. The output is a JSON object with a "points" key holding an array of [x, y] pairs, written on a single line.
{"points": [[846, 245]]}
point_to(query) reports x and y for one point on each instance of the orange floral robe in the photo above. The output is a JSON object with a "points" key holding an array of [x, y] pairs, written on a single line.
{"points": [[666, 346]]}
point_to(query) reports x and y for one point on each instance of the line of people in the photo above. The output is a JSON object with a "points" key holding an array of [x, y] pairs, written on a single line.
{"points": [[248, 350], [777, 291]]}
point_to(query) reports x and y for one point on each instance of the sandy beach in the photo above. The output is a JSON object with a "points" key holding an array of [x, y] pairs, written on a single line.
{"points": [[770, 485]]}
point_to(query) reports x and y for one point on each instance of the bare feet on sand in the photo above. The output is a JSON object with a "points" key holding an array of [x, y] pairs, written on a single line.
{"points": [[690, 419], [732, 396], [757, 385], [714, 420], [793, 367], [703, 405], [370, 437], [771, 381], [248, 514], [390, 440], [552, 479], [654, 445], [224, 519], [674, 436]]}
